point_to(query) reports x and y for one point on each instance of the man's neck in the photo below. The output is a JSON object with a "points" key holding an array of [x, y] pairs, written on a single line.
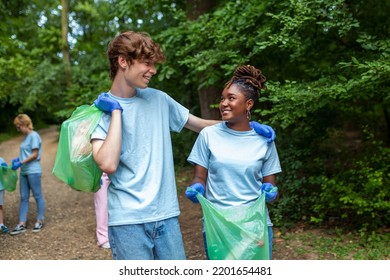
{"points": [[123, 90]]}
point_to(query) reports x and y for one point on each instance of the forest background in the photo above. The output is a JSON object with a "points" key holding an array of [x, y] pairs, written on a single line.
{"points": [[327, 64]]}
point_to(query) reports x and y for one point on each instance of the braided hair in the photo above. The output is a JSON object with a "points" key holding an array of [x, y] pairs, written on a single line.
{"points": [[249, 79]]}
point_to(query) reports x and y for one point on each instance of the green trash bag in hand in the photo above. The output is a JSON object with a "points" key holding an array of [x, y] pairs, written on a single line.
{"points": [[74, 164], [8, 178], [237, 232]]}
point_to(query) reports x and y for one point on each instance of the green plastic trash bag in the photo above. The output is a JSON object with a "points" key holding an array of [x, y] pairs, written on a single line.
{"points": [[237, 232], [8, 178], [74, 164]]}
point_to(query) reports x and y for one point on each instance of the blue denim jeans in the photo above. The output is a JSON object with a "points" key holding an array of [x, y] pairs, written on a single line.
{"points": [[270, 238], [161, 240], [31, 182]]}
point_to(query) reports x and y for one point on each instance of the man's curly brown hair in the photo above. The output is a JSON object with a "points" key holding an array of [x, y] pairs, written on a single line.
{"points": [[133, 46]]}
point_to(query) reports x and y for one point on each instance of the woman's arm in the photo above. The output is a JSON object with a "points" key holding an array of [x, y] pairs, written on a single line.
{"points": [[272, 180], [33, 156], [197, 184], [200, 175]]}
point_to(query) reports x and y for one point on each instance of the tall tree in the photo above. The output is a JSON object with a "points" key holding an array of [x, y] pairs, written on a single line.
{"points": [[65, 44], [209, 94]]}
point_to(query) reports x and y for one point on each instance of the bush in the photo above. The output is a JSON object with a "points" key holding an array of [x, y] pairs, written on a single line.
{"points": [[359, 196]]}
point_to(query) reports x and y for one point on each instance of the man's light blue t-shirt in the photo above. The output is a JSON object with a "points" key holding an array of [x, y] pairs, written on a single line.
{"points": [[143, 189], [237, 162]]}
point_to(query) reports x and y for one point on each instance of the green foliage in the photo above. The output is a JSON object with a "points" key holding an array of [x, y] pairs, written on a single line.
{"points": [[326, 62], [182, 145], [294, 199], [359, 195], [90, 78]]}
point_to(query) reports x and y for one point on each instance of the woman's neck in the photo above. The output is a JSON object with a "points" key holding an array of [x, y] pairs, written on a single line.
{"points": [[240, 126]]}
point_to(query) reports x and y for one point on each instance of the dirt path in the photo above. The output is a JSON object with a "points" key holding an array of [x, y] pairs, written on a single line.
{"points": [[69, 220], [69, 232]]}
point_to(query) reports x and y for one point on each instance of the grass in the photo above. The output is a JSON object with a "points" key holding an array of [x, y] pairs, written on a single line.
{"points": [[12, 132], [332, 244], [6, 136]]}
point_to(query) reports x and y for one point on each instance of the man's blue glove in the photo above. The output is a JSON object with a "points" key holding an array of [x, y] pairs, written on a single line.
{"points": [[264, 130], [271, 192], [16, 163], [193, 190], [107, 104], [4, 164]]}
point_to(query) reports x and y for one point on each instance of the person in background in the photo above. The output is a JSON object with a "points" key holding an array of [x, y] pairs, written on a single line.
{"points": [[3, 228], [132, 144], [101, 211], [233, 164], [30, 174]]}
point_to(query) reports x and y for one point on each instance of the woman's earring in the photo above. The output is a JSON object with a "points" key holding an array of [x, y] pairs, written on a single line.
{"points": [[248, 114]]}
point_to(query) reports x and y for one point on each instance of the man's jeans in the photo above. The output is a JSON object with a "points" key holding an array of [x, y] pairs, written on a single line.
{"points": [[160, 240]]}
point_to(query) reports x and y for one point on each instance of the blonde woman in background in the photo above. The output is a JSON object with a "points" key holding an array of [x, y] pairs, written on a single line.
{"points": [[30, 174]]}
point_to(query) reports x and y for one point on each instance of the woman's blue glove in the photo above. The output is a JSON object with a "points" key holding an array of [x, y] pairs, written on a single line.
{"points": [[4, 164], [271, 192], [107, 104], [193, 190], [264, 130], [16, 163]]}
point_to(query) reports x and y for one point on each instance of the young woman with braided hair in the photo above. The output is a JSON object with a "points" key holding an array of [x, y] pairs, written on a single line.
{"points": [[233, 164]]}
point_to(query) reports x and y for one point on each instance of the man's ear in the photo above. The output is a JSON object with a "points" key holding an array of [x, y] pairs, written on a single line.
{"points": [[122, 62]]}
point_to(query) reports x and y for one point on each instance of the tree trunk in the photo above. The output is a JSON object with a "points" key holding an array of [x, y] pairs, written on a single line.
{"points": [[209, 95], [196, 8], [387, 119], [65, 44]]}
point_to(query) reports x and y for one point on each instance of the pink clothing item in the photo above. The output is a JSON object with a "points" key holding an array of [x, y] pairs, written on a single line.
{"points": [[101, 211]]}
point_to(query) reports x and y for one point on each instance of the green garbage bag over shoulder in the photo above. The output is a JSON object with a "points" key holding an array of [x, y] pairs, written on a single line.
{"points": [[74, 164], [8, 178], [237, 232]]}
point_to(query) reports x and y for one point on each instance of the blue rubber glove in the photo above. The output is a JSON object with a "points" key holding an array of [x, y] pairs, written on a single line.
{"points": [[193, 190], [264, 130], [16, 163], [4, 164], [271, 192], [107, 104]]}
